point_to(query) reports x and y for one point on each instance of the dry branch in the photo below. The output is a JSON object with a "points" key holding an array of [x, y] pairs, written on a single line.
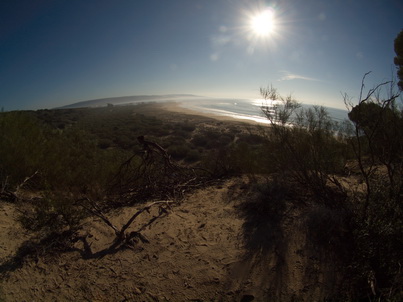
{"points": [[153, 175], [146, 208], [9, 195], [95, 210], [145, 176]]}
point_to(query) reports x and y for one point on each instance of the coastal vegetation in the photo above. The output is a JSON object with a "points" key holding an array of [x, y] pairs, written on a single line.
{"points": [[60, 167]]}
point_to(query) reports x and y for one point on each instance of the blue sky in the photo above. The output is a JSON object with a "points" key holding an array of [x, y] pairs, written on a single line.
{"points": [[54, 53]]}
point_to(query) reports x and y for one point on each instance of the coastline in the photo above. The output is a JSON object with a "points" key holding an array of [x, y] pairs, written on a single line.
{"points": [[178, 107]]}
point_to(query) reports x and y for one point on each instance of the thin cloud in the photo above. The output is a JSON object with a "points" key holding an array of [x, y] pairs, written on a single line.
{"points": [[292, 76]]}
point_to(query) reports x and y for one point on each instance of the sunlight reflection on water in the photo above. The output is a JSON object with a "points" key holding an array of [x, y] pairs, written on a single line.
{"points": [[244, 109], [238, 109]]}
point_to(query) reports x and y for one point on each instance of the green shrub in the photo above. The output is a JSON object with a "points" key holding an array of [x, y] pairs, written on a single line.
{"points": [[252, 139], [22, 139], [244, 158], [376, 141], [64, 158], [159, 131], [211, 139], [51, 214], [186, 126], [178, 152], [303, 143], [68, 159], [193, 156], [377, 241], [105, 143], [174, 141], [200, 140], [328, 228], [183, 134]]}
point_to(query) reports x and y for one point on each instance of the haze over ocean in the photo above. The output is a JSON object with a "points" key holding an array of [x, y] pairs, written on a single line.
{"points": [[246, 109]]}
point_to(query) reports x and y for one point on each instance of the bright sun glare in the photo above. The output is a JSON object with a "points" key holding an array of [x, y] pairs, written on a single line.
{"points": [[262, 24]]}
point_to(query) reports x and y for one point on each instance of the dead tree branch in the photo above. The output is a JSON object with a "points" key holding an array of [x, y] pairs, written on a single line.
{"points": [[135, 215], [120, 234], [153, 175], [96, 211], [9, 195]]}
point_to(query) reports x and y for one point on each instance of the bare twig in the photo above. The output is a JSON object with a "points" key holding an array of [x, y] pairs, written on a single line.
{"points": [[14, 195], [95, 210], [28, 178], [135, 215]]}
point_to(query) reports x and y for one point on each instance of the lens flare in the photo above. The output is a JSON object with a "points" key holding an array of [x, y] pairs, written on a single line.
{"points": [[263, 23]]}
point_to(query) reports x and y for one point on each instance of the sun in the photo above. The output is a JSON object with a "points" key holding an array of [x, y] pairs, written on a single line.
{"points": [[263, 27], [262, 24]]}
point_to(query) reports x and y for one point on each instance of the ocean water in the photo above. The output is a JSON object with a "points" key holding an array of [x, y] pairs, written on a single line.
{"points": [[244, 109]]}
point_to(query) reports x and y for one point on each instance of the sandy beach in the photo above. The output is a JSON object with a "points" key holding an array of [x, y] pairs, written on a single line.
{"points": [[179, 108]]}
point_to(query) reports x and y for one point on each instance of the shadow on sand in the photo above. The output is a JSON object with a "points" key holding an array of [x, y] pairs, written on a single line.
{"points": [[264, 240], [56, 243]]}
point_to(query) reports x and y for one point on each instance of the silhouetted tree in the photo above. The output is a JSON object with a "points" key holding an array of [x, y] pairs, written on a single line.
{"points": [[381, 125], [303, 142], [399, 58], [377, 125]]}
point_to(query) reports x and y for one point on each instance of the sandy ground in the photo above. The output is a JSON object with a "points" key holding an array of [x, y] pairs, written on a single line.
{"points": [[197, 251]]}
